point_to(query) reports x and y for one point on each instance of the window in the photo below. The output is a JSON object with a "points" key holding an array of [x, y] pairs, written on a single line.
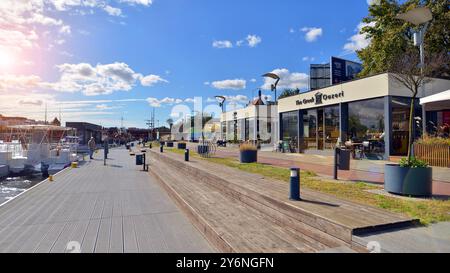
{"points": [[331, 127], [400, 124], [366, 126], [290, 131]]}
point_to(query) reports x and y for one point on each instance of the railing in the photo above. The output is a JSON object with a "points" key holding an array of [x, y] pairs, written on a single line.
{"points": [[437, 155]]}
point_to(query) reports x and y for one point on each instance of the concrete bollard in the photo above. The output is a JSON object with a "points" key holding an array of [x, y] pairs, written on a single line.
{"points": [[294, 194], [186, 155]]}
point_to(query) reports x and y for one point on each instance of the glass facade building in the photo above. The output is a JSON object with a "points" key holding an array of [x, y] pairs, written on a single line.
{"points": [[369, 116]]}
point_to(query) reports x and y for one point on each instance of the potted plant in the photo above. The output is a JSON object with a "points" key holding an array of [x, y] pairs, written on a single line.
{"points": [[169, 144], [248, 153], [412, 177]]}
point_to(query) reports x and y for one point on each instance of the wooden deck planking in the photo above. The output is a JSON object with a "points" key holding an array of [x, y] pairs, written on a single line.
{"points": [[106, 209], [320, 221], [246, 228]]}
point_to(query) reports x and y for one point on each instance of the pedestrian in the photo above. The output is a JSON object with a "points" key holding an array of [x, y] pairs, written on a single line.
{"points": [[91, 145]]}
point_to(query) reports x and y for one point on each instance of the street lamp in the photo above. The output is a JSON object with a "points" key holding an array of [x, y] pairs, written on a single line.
{"points": [[273, 87], [221, 100], [419, 17]]}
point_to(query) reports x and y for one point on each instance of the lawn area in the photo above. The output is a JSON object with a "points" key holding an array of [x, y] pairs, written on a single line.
{"points": [[427, 211]]}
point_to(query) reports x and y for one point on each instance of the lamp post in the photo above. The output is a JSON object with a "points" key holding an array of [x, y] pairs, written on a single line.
{"points": [[419, 17], [221, 100], [273, 87]]}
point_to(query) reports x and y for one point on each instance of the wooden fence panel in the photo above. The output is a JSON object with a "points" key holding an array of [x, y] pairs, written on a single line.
{"points": [[435, 155]]}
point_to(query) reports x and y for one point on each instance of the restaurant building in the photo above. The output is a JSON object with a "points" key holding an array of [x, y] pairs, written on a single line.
{"points": [[371, 114], [257, 122]]}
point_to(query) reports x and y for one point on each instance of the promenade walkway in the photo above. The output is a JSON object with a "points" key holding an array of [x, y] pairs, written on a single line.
{"points": [[113, 208], [361, 170]]}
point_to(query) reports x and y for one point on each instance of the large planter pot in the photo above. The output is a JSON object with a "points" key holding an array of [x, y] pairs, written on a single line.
{"points": [[408, 181], [170, 144], [181, 146], [248, 156]]}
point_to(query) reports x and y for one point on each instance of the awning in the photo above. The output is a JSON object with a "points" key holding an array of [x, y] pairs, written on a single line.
{"points": [[437, 98]]}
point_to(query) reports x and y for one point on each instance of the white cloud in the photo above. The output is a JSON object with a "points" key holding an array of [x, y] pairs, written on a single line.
{"points": [[312, 33], [154, 102], [358, 41], [66, 29], [291, 30], [308, 59], [222, 44], [206, 83], [23, 22], [138, 2], [288, 80], [112, 11], [253, 40], [151, 80], [100, 79], [373, 2], [235, 84], [253, 80], [240, 43], [18, 82]]}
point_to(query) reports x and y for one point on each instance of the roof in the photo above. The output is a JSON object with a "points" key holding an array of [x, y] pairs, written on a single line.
{"points": [[40, 127], [439, 97]]}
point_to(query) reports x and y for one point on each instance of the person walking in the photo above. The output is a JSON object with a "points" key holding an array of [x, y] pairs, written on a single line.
{"points": [[91, 145]]}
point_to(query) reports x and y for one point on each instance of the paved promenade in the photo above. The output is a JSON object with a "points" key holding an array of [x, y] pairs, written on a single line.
{"points": [[361, 170], [113, 208]]}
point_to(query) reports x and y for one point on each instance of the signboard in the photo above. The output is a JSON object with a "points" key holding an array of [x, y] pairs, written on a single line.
{"points": [[343, 70]]}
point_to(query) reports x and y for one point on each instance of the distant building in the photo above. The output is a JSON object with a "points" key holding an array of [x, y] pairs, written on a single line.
{"points": [[86, 130], [336, 71], [13, 121]]}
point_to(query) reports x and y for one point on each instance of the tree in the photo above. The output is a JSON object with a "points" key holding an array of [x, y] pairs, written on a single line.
{"points": [[390, 37], [407, 72], [289, 93]]}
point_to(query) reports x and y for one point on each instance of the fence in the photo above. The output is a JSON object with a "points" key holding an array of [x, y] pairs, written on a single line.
{"points": [[434, 154]]}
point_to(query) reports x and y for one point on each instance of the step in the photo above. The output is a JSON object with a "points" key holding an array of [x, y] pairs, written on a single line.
{"points": [[230, 225], [339, 219]]}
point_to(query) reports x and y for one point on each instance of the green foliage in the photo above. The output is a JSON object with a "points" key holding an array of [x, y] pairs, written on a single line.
{"points": [[427, 140], [289, 93], [391, 37], [413, 163]]}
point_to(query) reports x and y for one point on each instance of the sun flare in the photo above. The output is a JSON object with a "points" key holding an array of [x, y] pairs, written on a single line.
{"points": [[6, 59]]}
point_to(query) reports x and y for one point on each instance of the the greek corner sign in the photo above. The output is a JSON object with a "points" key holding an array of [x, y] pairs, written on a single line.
{"points": [[320, 98]]}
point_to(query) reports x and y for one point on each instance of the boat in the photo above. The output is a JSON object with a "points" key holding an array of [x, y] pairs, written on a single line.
{"points": [[33, 146]]}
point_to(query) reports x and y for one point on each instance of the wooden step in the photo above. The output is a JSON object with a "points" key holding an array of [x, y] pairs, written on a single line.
{"points": [[228, 224], [338, 220]]}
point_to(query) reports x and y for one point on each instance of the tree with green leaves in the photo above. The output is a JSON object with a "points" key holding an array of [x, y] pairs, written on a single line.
{"points": [[390, 38], [289, 93]]}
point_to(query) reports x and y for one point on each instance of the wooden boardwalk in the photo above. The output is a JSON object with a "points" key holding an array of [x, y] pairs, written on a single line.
{"points": [[243, 212], [114, 208]]}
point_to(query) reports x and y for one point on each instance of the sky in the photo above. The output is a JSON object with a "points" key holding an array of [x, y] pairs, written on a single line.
{"points": [[98, 61]]}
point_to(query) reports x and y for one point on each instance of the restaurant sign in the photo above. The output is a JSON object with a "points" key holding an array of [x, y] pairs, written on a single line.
{"points": [[320, 98]]}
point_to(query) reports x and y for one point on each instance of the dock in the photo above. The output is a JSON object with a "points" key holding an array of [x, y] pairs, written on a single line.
{"points": [[116, 208]]}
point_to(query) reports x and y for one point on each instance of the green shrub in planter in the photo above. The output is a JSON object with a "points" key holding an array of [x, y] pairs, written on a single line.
{"points": [[410, 178]]}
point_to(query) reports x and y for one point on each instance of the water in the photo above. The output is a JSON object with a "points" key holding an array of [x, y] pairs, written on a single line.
{"points": [[13, 186]]}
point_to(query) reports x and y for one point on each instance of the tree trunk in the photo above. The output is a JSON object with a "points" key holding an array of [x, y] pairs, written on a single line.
{"points": [[411, 126]]}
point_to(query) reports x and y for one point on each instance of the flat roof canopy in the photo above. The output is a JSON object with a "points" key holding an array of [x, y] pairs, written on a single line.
{"points": [[439, 101]]}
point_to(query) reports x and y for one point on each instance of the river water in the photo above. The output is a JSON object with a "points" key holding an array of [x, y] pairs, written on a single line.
{"points": [[13, 186]]}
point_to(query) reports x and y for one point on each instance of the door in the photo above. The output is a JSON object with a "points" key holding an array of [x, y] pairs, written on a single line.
{"points": [[320, 129]]}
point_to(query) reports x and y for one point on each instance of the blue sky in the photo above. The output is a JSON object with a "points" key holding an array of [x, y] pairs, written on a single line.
{"points": [[98, 60]]}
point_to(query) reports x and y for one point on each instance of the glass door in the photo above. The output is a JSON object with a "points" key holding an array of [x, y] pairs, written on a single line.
{"points": [[320, 129]]}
